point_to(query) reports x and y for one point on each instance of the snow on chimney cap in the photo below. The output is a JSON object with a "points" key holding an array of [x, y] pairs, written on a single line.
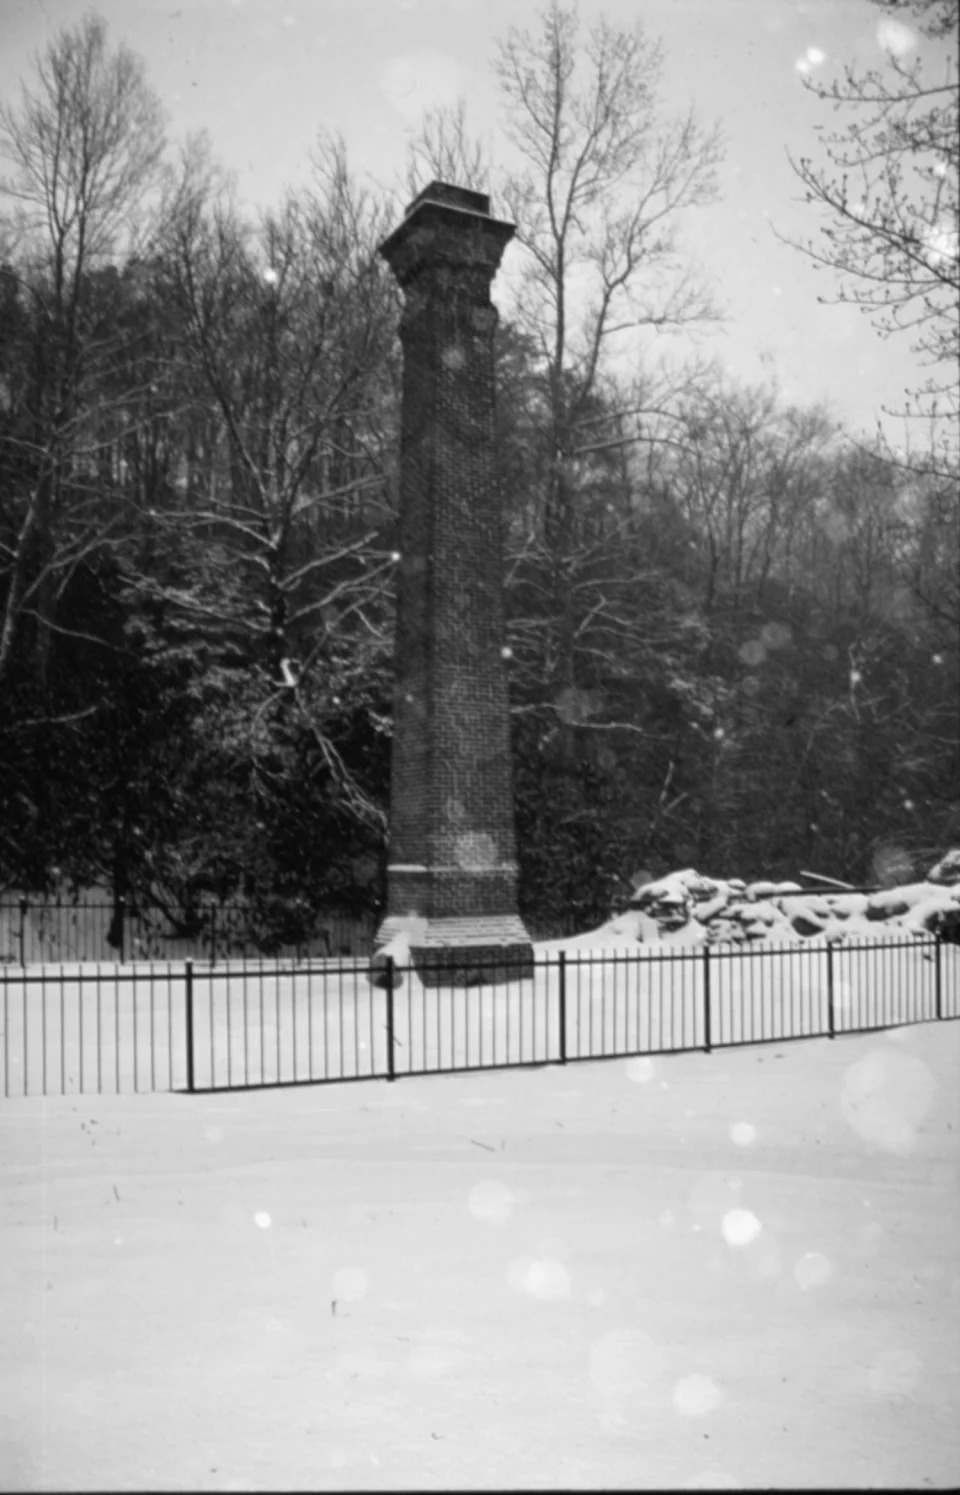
{"points": [[454, 197]]}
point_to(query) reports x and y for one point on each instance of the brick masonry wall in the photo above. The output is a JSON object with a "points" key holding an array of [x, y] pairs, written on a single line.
{"points": [[452, 845]]}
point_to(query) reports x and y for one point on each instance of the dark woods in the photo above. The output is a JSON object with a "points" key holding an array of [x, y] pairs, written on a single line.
{"points": [[733, 632]]}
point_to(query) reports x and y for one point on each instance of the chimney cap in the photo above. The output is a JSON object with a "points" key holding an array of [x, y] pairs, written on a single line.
{"points": [[453, 197]]}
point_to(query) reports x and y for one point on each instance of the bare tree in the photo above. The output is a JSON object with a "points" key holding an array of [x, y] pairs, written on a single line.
{"points": [[445, 151], [889, 196], [744, 470], [604, 181], [288, 327], [84, 150], [599, 187]]}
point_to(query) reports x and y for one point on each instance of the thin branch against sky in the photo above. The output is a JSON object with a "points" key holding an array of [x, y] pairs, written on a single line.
{"points": [[263, 78]]}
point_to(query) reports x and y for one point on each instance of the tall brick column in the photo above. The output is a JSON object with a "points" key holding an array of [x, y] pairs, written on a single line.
{"points": [[451, 874]]}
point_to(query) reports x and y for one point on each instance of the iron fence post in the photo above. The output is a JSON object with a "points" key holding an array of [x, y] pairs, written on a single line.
{"points": [[938, 977], [188, 1018], [563, 1006], [831, 1025], [391, 1073], [23, 930], [213, 934], [122, 911], [706, 1000]]}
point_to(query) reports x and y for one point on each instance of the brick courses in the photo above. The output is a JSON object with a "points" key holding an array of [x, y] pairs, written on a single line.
{"points": [[451, 879]]}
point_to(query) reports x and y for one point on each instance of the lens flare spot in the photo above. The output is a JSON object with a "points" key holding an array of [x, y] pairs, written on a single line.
{"points": [[812, 58], [491, 1201], [812, 1270], [743, 1134], [942, 244], [475, 850], [740, 1227], [776, 635], [540, 1279], [752, 652], [837, 528], [640, 1070], [262, 1219], [886, 1097], [696, 1396], [575, 706], [895, 38], [892, 864]]}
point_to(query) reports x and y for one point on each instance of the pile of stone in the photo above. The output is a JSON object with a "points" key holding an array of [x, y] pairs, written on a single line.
{"points": [[687, 908]]}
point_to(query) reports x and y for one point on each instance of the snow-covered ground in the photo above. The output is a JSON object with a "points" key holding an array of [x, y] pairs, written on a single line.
{"points": [[696, 1270], [700, 1270]]}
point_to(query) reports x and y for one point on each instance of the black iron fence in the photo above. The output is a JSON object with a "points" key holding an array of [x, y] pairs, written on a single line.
{"points": [[196, 1026]]}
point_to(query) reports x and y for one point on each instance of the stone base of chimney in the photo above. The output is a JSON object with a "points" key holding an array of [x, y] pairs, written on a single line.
{"points": [[475, 950]]}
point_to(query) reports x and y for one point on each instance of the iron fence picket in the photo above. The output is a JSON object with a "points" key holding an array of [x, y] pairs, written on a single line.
{"points": [[653, 1001], [188, 1023]]}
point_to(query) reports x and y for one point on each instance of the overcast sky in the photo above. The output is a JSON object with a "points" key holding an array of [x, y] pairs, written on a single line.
{"points": [[263, 76]]}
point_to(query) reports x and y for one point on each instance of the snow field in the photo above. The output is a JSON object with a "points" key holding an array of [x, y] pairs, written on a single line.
{"points": [[723, 1270], [118, 1029]]}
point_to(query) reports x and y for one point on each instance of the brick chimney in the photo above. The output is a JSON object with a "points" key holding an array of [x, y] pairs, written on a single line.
{"points": [[452, 872]]}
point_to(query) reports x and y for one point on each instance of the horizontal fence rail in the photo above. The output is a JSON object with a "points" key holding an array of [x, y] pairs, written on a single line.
{"points": [[196, 1026]]}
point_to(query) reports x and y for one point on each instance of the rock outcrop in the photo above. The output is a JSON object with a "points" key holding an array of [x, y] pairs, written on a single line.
{"points": [[687, 907]]}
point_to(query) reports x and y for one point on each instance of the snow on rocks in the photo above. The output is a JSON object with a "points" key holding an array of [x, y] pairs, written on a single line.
{"points": [[688, 908], [947, 869], [397, 950]]}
